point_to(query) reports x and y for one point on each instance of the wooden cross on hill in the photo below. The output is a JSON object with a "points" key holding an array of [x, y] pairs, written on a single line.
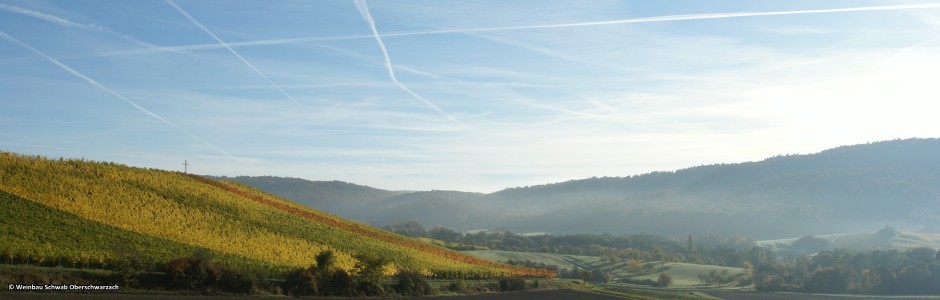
{"points": [[185, 166]]}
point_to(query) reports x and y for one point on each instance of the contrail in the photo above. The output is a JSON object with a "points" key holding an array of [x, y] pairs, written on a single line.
{"points": [[112, 92], [230, 49], [51, 18], [288, 41], [364, 11], [674, 18], [68, 23], [213, 46]]}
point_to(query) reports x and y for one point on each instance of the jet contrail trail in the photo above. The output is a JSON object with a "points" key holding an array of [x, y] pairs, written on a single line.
{"points": [[673, 18], [287, 41], [78, 74], [68, 23], [364, 11], [213, 46], [230, 49], [51, 18]]}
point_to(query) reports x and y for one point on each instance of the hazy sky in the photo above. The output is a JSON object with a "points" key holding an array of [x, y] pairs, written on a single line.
{"points": [[461, 95]]}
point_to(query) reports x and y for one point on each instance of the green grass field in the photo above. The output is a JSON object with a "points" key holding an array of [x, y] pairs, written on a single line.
{"points": [[684, 275]]}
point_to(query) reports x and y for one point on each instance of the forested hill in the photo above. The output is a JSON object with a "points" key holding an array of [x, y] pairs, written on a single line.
{"points": [[845, 189], [77, 212], [336, 197]]}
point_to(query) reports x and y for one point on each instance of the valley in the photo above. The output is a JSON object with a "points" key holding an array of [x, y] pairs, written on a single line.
{"points": [[147, 229]]}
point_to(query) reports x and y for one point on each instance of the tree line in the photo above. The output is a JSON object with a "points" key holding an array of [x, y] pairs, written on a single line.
{"points": [[883, 272], [711, 249]]}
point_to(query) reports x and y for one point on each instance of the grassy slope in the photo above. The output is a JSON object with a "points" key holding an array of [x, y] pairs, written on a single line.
{"points": [[685, 275], [182, 212], [867, 241]]}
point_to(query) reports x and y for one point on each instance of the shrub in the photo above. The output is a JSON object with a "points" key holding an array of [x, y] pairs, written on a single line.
{"points": [[337, 283], [664, 280], [512, 284], [827, 280], [302, 282], [200, 272], [458, 286], [411, 283]]}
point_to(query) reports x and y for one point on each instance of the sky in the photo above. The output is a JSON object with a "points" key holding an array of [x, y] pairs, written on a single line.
{"points": [[461, 95]]}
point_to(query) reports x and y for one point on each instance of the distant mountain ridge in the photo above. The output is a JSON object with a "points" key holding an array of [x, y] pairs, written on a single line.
{"points": [[845, 189], [336, 197]]}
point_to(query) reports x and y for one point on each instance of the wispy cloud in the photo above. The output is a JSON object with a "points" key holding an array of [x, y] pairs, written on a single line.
{"points": [[221, 42], [364, 11], [110, 91]]}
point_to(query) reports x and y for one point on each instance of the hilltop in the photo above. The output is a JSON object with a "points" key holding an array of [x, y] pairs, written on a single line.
{"points": [[845, 189], [87, 213]]}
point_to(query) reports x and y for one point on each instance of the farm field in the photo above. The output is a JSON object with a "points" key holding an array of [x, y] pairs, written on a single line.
{"points": [[560, 260], [684, 275]]}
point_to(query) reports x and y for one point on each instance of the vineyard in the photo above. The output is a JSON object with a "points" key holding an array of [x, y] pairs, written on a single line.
{"points": [[84, 213]]}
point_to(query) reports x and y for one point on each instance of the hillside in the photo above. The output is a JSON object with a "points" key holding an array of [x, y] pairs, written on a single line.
{"points": [[846, 189], [887, 238], [337, 197], [80, 212]]}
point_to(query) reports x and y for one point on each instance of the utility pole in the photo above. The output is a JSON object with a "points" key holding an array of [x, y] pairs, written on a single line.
{"points": [[185, 166]]}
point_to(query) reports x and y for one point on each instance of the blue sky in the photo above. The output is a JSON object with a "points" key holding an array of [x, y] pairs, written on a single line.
{"points": [[461, 95]]}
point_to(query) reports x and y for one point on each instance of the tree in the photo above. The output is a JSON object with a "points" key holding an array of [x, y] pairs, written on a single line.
{"points": [[444, 234], [599, 276], [370, 269], [724, 277], [129, 264], [411, 283], [879, 280], [915, 279], [200, 272], [828, 280], [326, 260], [302, 282], [585, 275], [410, 228], [337, 282], [748, 270], [512, 284], [636, 266], [659, 255], [664, 280]]}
